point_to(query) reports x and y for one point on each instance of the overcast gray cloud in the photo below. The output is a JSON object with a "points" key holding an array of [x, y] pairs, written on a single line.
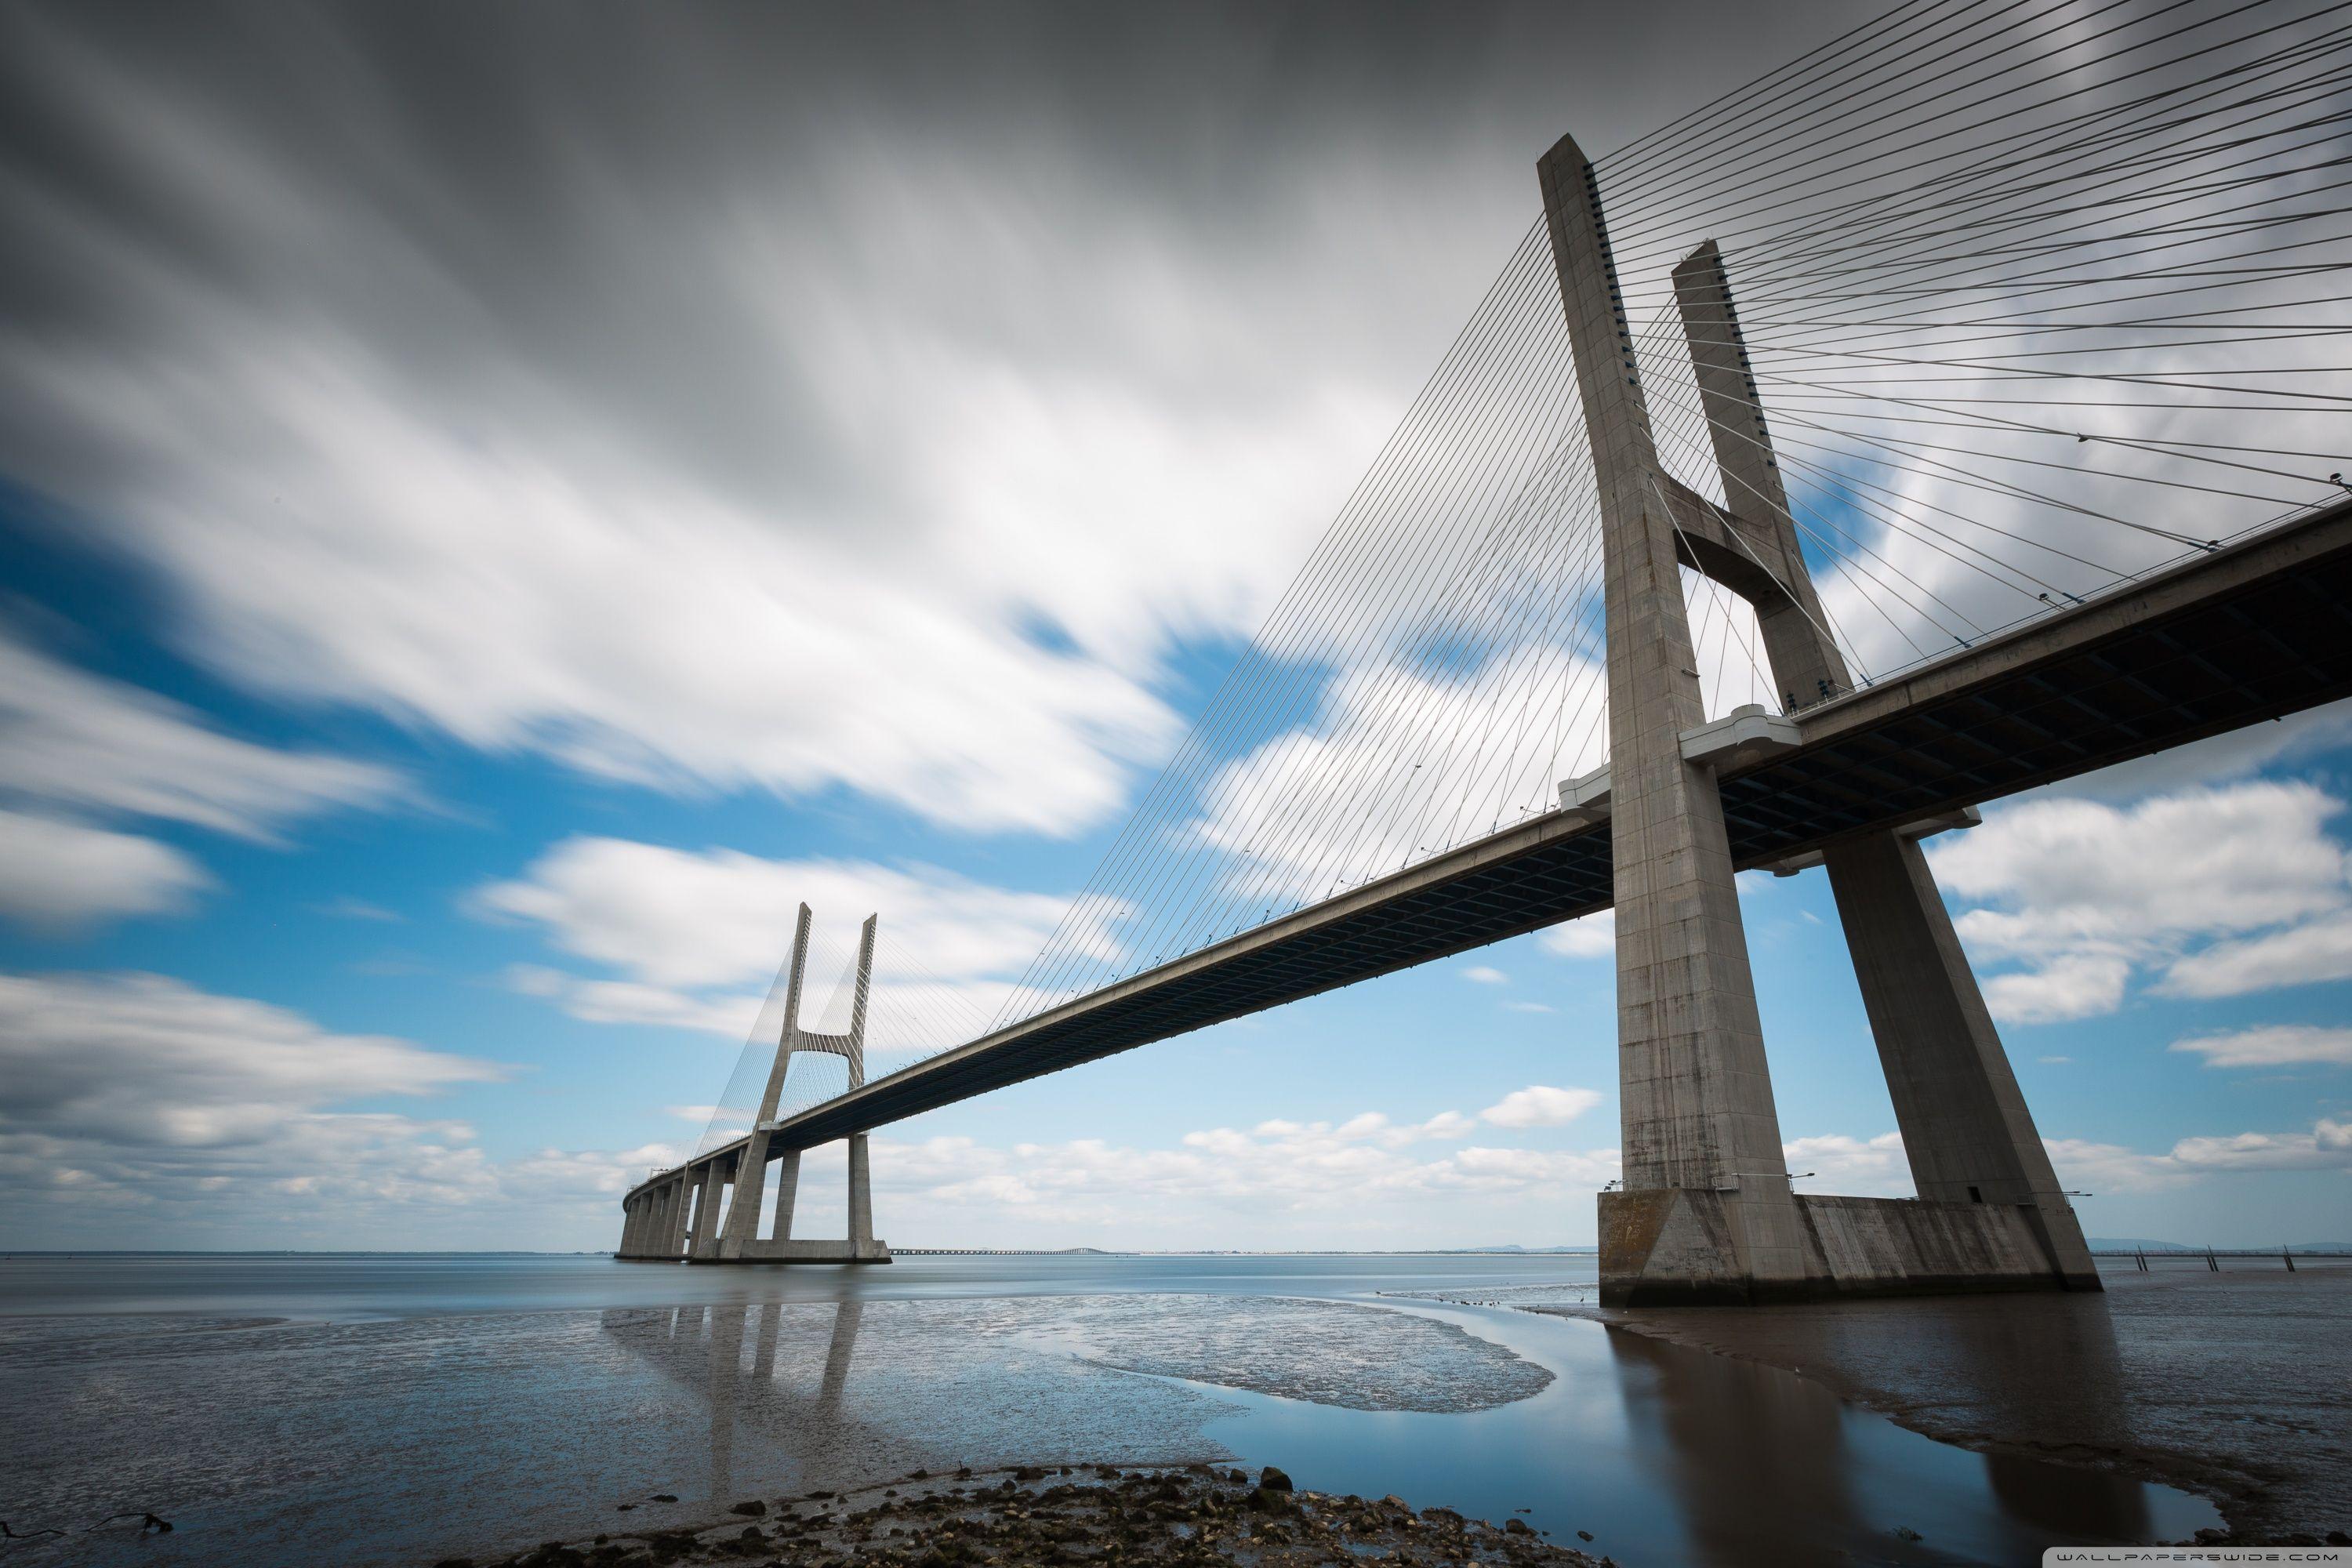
{"points": [[784, 397]]}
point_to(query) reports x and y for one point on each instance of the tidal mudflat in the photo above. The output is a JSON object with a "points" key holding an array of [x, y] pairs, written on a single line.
{"points": [[399, 1411]]}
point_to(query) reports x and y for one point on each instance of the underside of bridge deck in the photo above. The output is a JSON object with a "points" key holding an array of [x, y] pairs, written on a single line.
{"points": [[2250, 633]]}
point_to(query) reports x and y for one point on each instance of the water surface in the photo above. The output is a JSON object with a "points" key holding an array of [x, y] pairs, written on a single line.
{"points": [[398, 1409]]}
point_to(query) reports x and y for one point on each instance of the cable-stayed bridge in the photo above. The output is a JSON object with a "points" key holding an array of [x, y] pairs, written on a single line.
{"points": [[1952, 411]]}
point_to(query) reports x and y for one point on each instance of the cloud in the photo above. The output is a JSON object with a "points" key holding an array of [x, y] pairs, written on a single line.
{"points": [[2218, 890], [2275, 1045], [1282, 1182], [1377, 778], [1876, 1167], [690, 929], [2112, 1168], [1859, 1167], [136, 1110], [1526, 1008], [2327, 1146], [78, 742], [1485, 974], [1539, 1105], [346, 907], [2080, 985], [677, 917], [146, 1056], [1588, 936], [712, 471], [75, 746], [60, 874], [2300, 956]]}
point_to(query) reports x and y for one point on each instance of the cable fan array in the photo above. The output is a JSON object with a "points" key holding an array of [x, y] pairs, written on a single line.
{"points": [[2037, 295]]}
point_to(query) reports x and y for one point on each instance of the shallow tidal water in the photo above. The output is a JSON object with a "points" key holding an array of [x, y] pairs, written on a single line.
{"points": [[399, 1409]]}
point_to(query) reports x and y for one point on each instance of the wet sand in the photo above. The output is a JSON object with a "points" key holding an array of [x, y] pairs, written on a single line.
{"points": [[2237, 1386], [1061, 1515]]}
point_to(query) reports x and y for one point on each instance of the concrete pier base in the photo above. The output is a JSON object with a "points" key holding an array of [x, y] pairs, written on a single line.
{"points": [[1678, 1247], [865, 1251]]}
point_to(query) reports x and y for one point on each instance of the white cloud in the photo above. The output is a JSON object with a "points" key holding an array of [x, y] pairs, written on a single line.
{"points": [[690, 929], [2103, 1169], [1282, 1182], [1375, 780], [1588, 936], [143, 1055], [1526, 1008], [75, 745], [2327, 1146], [1856, 1167], [2111, 1168], [59, 874], [677, 917], [2218, 890], [78, 742], [1485, 974], [2079, 986], [138, 1109], [2275, 1045], [2303, 955], [1876, 1167], [1539, 1105], [741, 499]]}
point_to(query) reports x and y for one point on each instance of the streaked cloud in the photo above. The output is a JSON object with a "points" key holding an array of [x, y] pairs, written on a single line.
{"points": [[2272, 1046]]}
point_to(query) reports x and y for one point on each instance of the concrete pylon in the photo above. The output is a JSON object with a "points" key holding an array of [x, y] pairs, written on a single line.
{"points": [[1966, 1129], [741, 1241], [1706, 1213], [1806, 663]]}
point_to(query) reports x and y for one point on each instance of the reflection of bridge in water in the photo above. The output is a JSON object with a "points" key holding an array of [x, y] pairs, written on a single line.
{"points": [[701, 1350], [1649, 483], [1720, 1457]]}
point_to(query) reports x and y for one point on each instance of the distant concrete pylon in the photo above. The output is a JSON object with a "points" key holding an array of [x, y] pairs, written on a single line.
{"points": [[1708, 1212], [741, 1241], [679, 1215]]}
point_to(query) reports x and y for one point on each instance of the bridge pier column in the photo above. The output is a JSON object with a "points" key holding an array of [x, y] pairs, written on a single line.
{"points": [[751, 1190], [726, 1192], [707, 1195], [788, 1188], [633, 1225], [861, 1191], [675, 1197], [1966, 1129], [1706, 1213]]}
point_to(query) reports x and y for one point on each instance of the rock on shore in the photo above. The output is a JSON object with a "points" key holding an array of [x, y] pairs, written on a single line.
{"points": [[1065, 1515]]}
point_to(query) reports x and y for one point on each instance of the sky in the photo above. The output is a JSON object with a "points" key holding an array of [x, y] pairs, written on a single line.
{"points": [[498, 507]]}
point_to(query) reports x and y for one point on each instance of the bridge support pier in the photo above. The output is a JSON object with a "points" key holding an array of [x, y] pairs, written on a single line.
{"points": [[1966, 1129], [1708, 1213], [740, 1240]]}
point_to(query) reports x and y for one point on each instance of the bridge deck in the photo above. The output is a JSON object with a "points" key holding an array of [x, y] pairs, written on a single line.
{"points": [[2253, 632]]}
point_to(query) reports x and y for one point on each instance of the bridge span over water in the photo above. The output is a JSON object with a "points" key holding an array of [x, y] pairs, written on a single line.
{"points": [[1648, 484], [2250, 633]]}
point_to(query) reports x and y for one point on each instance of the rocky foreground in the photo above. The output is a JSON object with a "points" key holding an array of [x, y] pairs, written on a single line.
{"points": [[1061, 1515]]}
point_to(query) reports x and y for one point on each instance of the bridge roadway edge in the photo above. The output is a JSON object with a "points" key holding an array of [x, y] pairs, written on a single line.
{"points": [[2257, 630]]}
